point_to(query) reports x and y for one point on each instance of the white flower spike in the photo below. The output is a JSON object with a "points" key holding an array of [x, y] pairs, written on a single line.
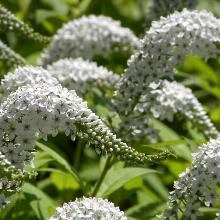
{"points": [[166, 44], [172, 98], [87, 37], [198, 185], [43, 109]]}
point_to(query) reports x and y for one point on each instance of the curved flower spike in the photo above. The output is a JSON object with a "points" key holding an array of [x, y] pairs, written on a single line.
{"points": [[8, 56], [166, 44], [88, 37], [89, 208], [8, 21], [81, 75], [198, 185], [43, 109], [172, 98]]}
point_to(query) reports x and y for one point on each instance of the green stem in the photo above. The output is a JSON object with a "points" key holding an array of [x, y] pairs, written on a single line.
{"points": [[79, 180], [78, 153], [102, 176]]}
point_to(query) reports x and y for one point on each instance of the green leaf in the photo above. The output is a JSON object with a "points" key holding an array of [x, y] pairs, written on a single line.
{"points": [[201, 69], [42, 204], [146, 211], [63, 162], [63, 181], [154, 183], [115, 179], [167, 134]]}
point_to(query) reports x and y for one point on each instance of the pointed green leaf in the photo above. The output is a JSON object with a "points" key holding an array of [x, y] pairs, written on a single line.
{"points": [[115, 179], [41, 203]]}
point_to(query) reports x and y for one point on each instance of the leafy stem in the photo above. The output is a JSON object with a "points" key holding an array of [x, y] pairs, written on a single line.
{"points": [[102, 176]]}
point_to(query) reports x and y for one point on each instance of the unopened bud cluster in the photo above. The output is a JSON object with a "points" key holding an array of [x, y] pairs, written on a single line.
{"points": [[8, 21], [87, 37], [9, 57]]}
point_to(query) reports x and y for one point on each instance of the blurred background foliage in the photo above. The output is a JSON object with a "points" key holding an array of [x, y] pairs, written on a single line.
{"points": [[141, 193]]}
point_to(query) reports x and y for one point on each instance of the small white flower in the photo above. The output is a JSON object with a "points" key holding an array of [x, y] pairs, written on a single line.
{"points": [[89, 208], [98, 35], [82, 75], [201, 181]]}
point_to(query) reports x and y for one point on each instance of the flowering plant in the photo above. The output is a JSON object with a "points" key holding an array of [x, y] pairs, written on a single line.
{"points": [[104, 119]]}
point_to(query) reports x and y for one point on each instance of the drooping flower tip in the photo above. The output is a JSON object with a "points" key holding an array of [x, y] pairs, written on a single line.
{"points": [[44, 109], [89, 208], [11, 58], [8, 21]]}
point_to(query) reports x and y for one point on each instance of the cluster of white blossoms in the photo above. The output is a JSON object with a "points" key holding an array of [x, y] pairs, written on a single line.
{"points": [[11, 180], [164, 46], [87, 37], [82, 75], [43, 109], [8, 21], [77, 74], [172, 98], [9, 57], [198, 185], [165, 101], [22, 76], [89, 208], [164, 7]]}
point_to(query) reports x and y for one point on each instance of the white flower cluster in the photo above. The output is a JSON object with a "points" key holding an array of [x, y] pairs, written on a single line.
{"points": [[164, 7], [25, 75], [43, 109], [88, 37], [166, 44], [8, 21], [82, 75], [9, 57], [164, 101], [78, 74], [10, 180], [172, 98], [198, 185], [89, 208]]}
